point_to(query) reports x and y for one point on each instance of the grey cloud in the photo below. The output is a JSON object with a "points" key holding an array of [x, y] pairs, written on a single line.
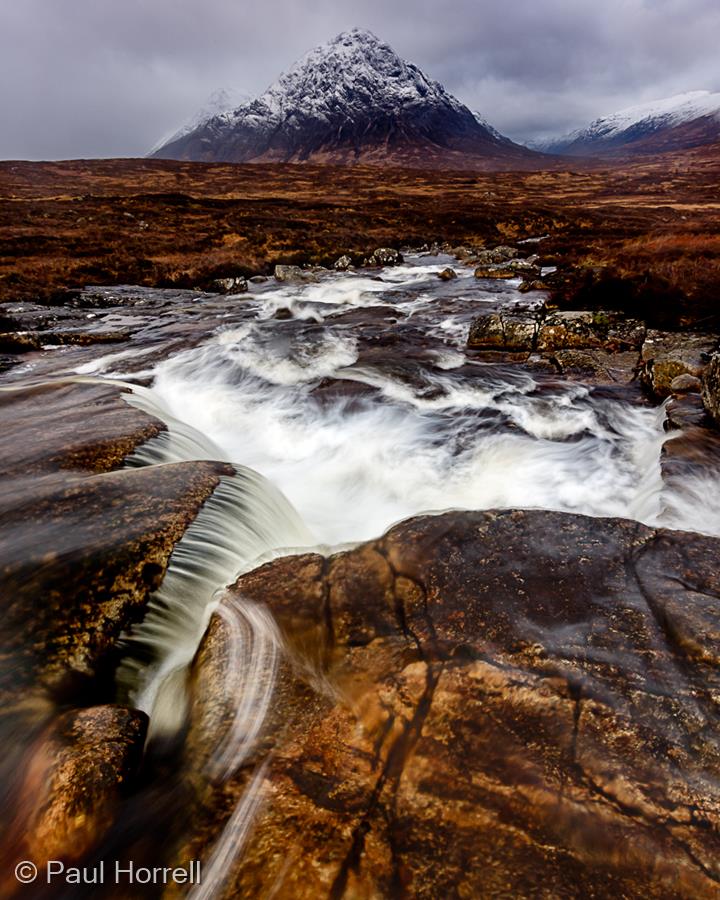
{"points": [[108, 78]]}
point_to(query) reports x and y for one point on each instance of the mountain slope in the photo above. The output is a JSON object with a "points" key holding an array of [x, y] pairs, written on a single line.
{"points": [[220, 102], [352, 100], [674, 123]]}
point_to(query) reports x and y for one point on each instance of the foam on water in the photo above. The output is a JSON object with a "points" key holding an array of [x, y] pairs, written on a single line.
{"points": [[354, 466]]}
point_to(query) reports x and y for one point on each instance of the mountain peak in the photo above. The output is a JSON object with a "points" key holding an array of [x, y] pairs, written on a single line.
{"points": [[351, 99]]}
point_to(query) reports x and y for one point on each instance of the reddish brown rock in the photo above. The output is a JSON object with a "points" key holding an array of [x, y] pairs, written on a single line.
{"points": [[74, 780], [517, 704]]}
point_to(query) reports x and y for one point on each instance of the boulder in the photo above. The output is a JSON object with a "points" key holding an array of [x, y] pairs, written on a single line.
{"points": [[665, 355], [535, 285], [447, 274], [565, 330], [524, 268], [293, 275], [486, 704], [513, 330], [686, 384], [384, 256], [233, 285], [343, 263], [497, 255]]}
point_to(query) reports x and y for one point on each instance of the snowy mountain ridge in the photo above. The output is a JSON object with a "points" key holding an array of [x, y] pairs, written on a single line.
{"points": [[638, 122]]}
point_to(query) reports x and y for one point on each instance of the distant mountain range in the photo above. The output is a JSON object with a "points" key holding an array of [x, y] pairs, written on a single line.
{"points": [[675, 123], [352, 100]]}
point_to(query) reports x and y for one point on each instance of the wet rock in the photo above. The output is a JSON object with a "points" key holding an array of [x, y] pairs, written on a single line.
{"points": [[69, 426], [343, 263], [534, 285], [283, 313], [235, 285], [293, 274], [76, 777], [684, 411], [258, 279], [447, 274], [685, 384], [496, 256], [490, 704], [513, 330], [665, 355], [19, 341], [711, 387], [81, 546], [384, 256], [598, 366], [494, 272], [524, 268]]}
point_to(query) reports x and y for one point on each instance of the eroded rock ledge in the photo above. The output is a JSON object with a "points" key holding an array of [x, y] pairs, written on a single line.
{"points": [[506, 704]]}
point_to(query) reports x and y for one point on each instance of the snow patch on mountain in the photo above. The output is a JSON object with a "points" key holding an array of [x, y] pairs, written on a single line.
{"points": [[353, 71], [641, 120]]}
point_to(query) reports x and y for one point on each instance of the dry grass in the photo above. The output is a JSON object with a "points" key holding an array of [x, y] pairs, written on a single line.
{"points": [[63, 225]]}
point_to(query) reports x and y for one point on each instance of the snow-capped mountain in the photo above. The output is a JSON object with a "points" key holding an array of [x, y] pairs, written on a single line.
{"points": [[674, 123], [222, 101], [348, 101]]}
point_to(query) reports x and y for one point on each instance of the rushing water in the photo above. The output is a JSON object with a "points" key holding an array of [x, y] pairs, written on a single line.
{"points": [[355, 409], [359, 434]]}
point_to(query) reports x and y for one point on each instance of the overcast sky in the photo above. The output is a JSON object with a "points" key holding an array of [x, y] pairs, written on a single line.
{"points": [[83, 78]]}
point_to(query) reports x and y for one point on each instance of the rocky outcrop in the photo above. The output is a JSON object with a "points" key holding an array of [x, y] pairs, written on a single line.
{"points": [[539, 329], [487, 704], [711, 387], [666, 355], [83, 544]]}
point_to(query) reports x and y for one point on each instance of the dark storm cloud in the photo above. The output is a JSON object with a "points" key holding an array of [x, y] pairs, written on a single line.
{"points": [[111, 77]]}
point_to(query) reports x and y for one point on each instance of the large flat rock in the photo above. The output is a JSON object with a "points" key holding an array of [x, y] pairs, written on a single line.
{"points": [[496, 704]]}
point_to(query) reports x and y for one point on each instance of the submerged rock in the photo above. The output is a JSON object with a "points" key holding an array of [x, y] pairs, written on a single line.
{"points": [[447, 274], [487, 704]]}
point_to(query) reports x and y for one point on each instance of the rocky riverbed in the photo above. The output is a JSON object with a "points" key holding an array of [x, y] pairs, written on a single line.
{"points": [[220, 645]]}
